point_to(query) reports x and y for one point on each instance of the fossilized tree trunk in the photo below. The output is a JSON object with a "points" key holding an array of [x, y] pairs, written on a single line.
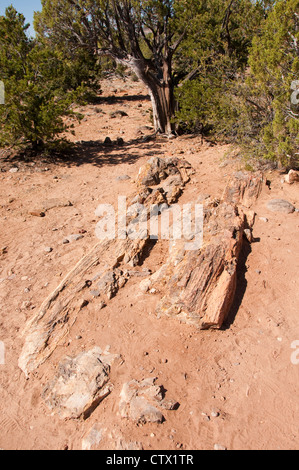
{"points": [[103, 271], [199, 286]]}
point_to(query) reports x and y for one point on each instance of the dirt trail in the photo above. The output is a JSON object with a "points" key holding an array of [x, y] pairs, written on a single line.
{"points": [[236, 387]]}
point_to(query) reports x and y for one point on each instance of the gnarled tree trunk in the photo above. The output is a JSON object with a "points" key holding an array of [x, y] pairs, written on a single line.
{"points": [[161, 91]]}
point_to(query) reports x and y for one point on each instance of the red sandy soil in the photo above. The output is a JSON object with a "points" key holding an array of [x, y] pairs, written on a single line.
{"points": [[242, 373]]}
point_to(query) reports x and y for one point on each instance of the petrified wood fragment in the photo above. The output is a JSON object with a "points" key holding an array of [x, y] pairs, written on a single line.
{"points": [[199, 286]]}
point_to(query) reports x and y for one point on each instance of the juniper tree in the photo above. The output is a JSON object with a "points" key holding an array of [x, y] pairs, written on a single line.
{"points": [[35, 100], [273, 81], [121, 29], [218, 47]]}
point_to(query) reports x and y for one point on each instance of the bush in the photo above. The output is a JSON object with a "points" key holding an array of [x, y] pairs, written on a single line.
{"points": [[35, 98]]}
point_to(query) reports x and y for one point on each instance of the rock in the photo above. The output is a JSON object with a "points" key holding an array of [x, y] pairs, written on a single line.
{"points": [[123, 178], [14, 170], [118, 113], [248, 235], [158, 169], [113, 439], [280, 205], [92, 438], [219, 447], [141, 411], [80, 384], [37, 213], [48, 249], [120, 141], [107, 141], [95, 293], [121, 444], [292, 177], [139, 401], [55, 203], [244, 188], [73, 238], [144, 285]]}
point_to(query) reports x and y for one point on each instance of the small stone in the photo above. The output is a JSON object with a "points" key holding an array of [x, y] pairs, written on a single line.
{"points": [[95, 293], [14, 170], [120, 141], [145, 285], [93, 438], [37, 213], [263, 219], [73, 238], [26, 305], [248, 235], [215, 414], [219, 447], [48, 249], [107, 141], [123, 178]]}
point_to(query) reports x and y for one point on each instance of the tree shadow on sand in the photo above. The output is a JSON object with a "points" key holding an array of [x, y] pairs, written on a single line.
{"points": [[95, 152]]}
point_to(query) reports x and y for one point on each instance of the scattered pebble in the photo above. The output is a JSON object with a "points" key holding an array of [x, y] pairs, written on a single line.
{"points": [[219, 447], [48, 249], [73, 238], [37, 213]]}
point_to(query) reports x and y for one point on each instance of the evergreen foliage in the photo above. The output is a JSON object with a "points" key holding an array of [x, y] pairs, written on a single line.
{"points": [[224, 67], [35, 96]]}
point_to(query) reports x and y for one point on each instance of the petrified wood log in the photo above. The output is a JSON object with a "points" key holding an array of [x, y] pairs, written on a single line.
{"points": [[102, 272], [199, 286]]}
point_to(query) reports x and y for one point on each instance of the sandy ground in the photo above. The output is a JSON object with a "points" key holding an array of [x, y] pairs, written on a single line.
{"points": [[237, 387]]}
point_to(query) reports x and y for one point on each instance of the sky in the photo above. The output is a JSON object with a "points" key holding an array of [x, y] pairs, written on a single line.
{"points": [[27, 7]]}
